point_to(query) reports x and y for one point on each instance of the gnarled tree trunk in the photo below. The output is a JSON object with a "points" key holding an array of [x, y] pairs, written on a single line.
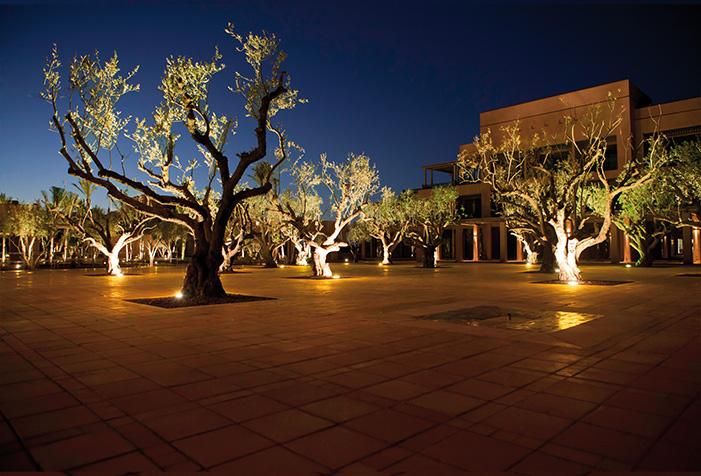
{"points": [[429, 256], [202, 275]]}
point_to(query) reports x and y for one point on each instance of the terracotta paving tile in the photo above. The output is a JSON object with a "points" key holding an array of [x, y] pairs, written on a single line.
{"points": [[619, 446], [685, 432], [547, 366], [139, 435], [385, 458], [670, 386], [26, 390], [606, 376], [204, 389], [448, 403], [623, 366], [16, 461], [56, 420], [428, 438], [340, 408], [648, 402], [133, 462], [511, 376], [397, 390], [539, 462], [336, 447], [671, 456], [480, 413], [355, 379], [480, 389], [571, 454], [165, 455], [418, 465], [124, 388], [146, 401], [474, 452], [107, 375], [582, 390], [550, 404], [168, 373], [558, 356], [431, 379], [300, 393], [645, 425], [247, 408], [218, 446], [31, 406], [287, 425], [389, 425], [276, 461], [528, 423], [185, 423], [80, 450]]}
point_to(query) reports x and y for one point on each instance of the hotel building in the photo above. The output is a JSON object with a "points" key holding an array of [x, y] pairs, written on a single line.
{"points": [[481, 235]]}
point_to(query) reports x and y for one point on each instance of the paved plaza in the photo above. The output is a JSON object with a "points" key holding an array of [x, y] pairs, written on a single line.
{"points": [[343, 377]]}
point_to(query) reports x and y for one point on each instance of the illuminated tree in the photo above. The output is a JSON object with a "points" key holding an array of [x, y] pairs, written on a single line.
{"points": [[267, 223], [92, 123], [428, 217], [671, 199], [161, 239], [58, 233], [29, 224], [238, 230], [107, 231], [387, 221], [556, 185], [300, 205]]}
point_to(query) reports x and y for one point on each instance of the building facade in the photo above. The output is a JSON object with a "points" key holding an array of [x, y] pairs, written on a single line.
{"points": [[483, 236]]}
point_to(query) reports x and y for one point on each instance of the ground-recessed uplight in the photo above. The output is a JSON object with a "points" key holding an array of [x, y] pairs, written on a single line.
{"points": [[346, 260], [336, 276], [282, 265], [18, 266], [573, 283], [629, 265], [178, 295]]}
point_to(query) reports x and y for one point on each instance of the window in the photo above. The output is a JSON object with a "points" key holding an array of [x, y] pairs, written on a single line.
{"points": [[469, 206]]}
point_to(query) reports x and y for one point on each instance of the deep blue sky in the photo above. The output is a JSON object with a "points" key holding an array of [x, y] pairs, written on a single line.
{"points": [[402, 81]]}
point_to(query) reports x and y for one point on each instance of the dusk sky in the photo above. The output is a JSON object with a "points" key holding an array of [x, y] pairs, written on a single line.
{"points": [[403, 82]]}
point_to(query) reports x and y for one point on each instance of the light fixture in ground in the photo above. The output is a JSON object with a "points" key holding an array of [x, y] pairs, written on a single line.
{"points": [[179, 295]]}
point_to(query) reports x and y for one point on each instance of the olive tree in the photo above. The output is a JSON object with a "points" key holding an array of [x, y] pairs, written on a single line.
{"points": [[670, 200], [29, 224], [386, 220], [427, 218], [160, 184], [349, 185]]}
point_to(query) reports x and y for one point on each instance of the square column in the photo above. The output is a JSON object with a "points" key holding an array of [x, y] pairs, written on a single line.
{"points": [[687, 245], [475, 243], [503, 248]]}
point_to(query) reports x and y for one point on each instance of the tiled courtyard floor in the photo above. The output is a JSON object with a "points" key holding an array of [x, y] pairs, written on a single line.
{"points": [[339, 376]]}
